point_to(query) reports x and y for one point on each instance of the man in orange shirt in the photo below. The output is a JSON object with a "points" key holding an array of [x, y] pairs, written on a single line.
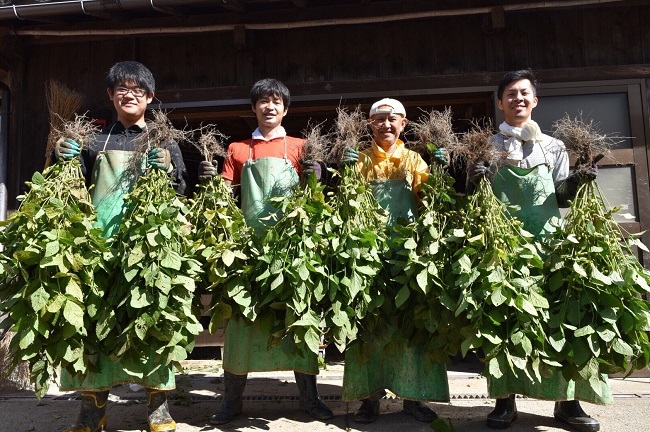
{"points": [[264, 166]]}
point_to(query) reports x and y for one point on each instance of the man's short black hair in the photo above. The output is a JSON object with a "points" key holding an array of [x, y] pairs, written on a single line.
{"points": [[513, 76], [131, 71], [270, 87]]}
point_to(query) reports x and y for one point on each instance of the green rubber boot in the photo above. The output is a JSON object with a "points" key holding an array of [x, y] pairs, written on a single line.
{"points": [[92, 417], [158, 412]]}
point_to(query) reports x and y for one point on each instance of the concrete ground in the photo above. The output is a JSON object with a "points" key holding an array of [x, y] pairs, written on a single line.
{"points": [[271, 404]]}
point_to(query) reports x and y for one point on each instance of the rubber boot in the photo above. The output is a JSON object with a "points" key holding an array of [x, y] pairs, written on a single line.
{"points": [[158, 412], [367, 412], [571, 413], [504, 413], [310, 401], [92, 417], [419, 411], [232, 403]]}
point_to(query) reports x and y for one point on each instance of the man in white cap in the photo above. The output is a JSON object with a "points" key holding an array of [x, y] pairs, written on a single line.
{"points": [[395, 174]]}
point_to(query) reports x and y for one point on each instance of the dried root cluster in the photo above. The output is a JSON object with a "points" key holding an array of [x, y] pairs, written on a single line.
{"points": [[434, 127], [583, 139], [62, 104]]}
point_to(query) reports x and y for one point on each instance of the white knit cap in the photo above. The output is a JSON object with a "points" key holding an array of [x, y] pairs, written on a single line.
{"points": [[396, 107]]}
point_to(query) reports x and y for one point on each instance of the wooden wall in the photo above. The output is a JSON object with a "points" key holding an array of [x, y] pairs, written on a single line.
{"points": [[567, 45]]}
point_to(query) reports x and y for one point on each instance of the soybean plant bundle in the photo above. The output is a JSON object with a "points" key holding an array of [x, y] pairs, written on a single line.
{"points": [[223, 247], [291, 277], [153, 310], [221, 242], [54, 274], [497, 272], [598, 324], [358, 240], [426, 311]]}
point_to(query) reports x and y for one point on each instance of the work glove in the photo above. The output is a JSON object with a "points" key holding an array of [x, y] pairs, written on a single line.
{"points": [[440, 156], [350, 156], [66, 148], [159, 158], [585, 170], [309, 167], [207, 170], [478, 171]]}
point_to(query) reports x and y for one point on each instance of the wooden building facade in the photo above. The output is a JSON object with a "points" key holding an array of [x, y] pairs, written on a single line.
{"points": [[592, 56]]}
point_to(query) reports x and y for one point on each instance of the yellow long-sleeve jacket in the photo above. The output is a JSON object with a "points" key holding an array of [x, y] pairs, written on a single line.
{"points": [[402, 164]]}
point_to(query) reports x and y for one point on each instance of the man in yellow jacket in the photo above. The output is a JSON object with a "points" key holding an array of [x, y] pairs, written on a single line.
{"points": [[395, 174]]}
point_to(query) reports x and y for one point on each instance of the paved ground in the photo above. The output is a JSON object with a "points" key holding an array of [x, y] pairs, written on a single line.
{"points": [[271, 404]]}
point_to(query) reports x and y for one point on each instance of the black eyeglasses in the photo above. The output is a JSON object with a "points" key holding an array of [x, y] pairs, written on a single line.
{"points": [[136, 92]]}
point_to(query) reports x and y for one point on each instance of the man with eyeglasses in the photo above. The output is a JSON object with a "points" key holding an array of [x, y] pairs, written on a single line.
{"points": [[108, 165], [395, 174]]}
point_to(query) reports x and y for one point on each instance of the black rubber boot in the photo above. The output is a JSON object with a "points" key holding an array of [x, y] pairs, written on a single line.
{"points": [[571, 413], [232, 403], [504, 413], [310, 401], [92, 417], [158, 412], [368, 411], [419, 411]]}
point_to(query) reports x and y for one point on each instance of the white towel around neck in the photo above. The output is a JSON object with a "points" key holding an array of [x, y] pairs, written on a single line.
{"points": [[517, 136]]}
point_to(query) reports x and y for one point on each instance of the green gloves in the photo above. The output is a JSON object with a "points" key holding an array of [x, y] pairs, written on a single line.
{"points": [[159, 158], [350, 156], [440, 156], [66, 148]]}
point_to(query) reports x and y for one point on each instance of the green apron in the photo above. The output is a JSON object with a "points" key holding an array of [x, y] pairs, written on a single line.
{"points": [[112, 179], [397, 198], [262, 179], [391, 363], [246, 345], [114, 174], [532, 190]]}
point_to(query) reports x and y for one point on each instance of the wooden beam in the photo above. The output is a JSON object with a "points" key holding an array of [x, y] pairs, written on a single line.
{"points": [[404, 85], [300, 3], [233, 5]]}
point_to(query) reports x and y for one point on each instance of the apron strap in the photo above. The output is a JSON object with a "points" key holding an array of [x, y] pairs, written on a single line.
{"points": [[250, 151], [108, 137], [146, 127]]}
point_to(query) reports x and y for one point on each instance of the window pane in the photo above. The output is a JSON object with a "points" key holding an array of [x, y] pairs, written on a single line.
{"points": [[617, 185], [610, 111]]}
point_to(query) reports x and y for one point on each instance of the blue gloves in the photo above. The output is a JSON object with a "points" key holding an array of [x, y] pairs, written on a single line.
{"points": [[350, 156], [309, 167], [66, 148], [207, 170], [440, 156], [159, 158]]}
